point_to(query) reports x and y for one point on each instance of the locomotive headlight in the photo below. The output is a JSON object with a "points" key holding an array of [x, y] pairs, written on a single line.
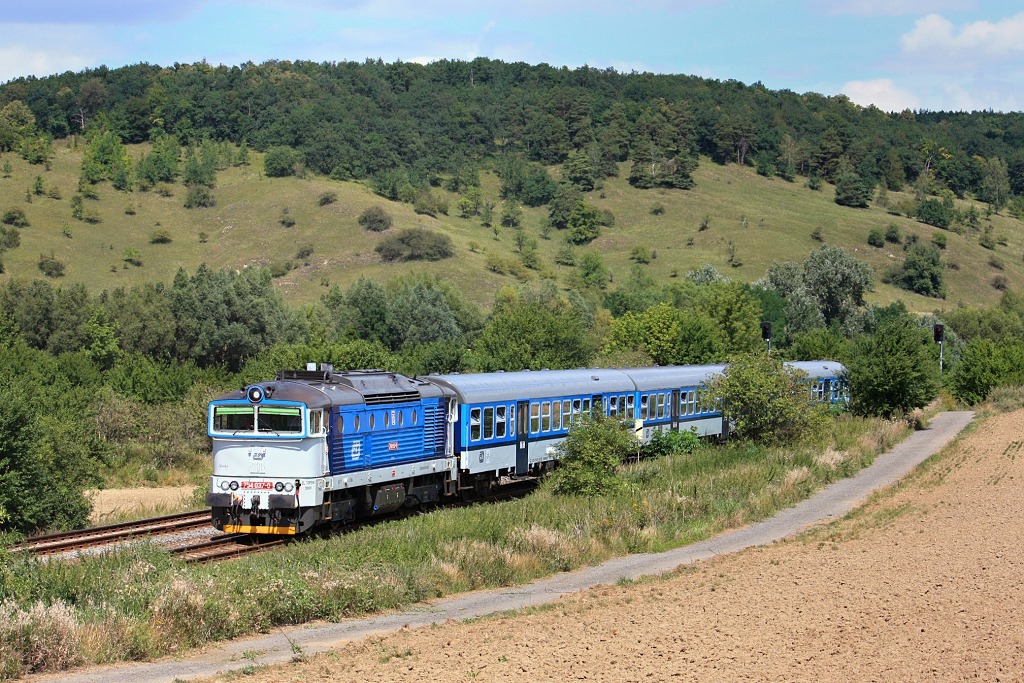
{"points": [[223, 486], [233, 486], [320, 484], [288, 487], [279, 487]]}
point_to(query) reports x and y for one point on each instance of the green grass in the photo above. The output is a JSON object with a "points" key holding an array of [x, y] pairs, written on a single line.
{"points": [[139, 603], [765, 219]]}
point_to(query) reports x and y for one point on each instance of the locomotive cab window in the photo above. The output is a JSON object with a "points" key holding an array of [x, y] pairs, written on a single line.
{"points": [[234, 418], [279, 419], [316, 422]]}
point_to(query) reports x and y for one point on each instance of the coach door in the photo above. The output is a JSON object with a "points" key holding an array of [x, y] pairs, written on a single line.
{"points": [[675, 410], [522, 434]]}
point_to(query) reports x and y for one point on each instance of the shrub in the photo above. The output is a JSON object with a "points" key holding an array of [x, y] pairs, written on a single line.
{"points": [[876, 237], [326, 198], [892, 371], [893, 234], [375, 219], [657, 210], [669, 443], [160, 236], [1000, 283], [641, 253], [199, 196], [590, 457], [765, 400], [935, 212], [304, 252], [939, 240], [16, 217], [413, 244], [814, 183], [51, 266], [9, 238]]}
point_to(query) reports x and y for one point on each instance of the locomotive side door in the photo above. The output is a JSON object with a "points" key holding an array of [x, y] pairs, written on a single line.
{"points": [[522, 437]]}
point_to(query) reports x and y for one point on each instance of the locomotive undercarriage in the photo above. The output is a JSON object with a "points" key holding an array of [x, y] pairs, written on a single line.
{"points": [[339, 507]]}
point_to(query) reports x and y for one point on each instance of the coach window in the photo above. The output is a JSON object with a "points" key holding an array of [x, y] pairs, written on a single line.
{"points": [[577, 408], [586, 406], [567, 414], [474, 424], [489, 422], [613, 406], [556, 415], [534, 418], [643, 406], [661, 405], [545, 416], [499, 422]]}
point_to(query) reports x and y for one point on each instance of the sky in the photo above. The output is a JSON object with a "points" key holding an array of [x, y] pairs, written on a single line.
{"points": [[951, 55]]}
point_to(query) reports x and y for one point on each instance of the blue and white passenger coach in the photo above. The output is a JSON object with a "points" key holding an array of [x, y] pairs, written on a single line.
{"points": [[315, 446]]}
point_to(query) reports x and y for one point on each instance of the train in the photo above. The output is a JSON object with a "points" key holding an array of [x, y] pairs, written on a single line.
{"points": [[319, 448]]}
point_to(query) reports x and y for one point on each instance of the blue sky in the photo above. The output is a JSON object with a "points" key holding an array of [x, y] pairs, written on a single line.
{"points": [[895, 54]]}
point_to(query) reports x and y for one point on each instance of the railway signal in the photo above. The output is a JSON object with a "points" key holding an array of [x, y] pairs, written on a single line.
{"points": [[939, 334]]}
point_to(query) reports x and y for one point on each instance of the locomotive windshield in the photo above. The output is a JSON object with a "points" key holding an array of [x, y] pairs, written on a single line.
{"points": [[271, 419]]}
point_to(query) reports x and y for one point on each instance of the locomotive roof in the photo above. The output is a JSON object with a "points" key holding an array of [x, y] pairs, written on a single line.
{"points": [[508, 386], [320, 389]]}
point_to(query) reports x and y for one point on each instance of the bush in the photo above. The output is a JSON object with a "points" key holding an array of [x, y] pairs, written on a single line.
{"points": [[160, 237], [893, 371], [414, 244], [375, 219], [939, 240], [304, 252], [876, 237], [326, 198], [9, 238], [934, 212], [51, 266], [670, 443], [893, 234], [199, 196], [766, 401], [16, 217], [590, 456]]}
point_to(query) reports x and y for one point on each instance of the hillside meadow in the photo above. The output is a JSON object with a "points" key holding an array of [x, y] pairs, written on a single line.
{"points": [[749, 221]]}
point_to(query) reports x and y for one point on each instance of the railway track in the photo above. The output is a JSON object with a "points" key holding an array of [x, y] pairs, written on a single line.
{"points": [[227, 546], [93, 537]]}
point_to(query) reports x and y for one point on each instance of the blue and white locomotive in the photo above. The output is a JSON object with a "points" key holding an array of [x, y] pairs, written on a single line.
{"points": [[317, 447]]}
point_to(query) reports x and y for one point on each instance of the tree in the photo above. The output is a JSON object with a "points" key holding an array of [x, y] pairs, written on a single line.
{"points": [[922, 272], [765, 400], [995, 184], [584, 224], [579, 170], [892, 371], [850, 189], [415, 244], [836, 280], [280, 162], [535, 329]]}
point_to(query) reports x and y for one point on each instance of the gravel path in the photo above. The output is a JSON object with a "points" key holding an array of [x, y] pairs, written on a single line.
{"points": [[850, 604]]}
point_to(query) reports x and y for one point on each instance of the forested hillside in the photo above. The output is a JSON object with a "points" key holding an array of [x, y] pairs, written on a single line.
{"points": [[167, 232]]}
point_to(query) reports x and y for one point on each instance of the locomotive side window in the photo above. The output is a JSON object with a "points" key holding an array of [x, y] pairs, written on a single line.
{"points": [[355, 420], [234, 419], [316, 422], [489, 422], [373, 419], [474, 424], [499, 421], [415, 417]]}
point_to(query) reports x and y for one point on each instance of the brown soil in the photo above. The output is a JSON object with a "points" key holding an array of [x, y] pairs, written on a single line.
{"points": [[924, 583]]}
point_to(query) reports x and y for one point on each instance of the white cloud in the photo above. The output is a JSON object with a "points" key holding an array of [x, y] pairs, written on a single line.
{"points": [[934, 34], [45, 50], [882, 93]]}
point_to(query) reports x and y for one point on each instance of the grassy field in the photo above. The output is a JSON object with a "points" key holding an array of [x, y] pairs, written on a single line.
{"points": [[764, 219], [140, 603]]}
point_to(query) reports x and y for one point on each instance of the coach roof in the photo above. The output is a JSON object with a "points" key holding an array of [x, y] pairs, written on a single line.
{"points": [[509, 386]]}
